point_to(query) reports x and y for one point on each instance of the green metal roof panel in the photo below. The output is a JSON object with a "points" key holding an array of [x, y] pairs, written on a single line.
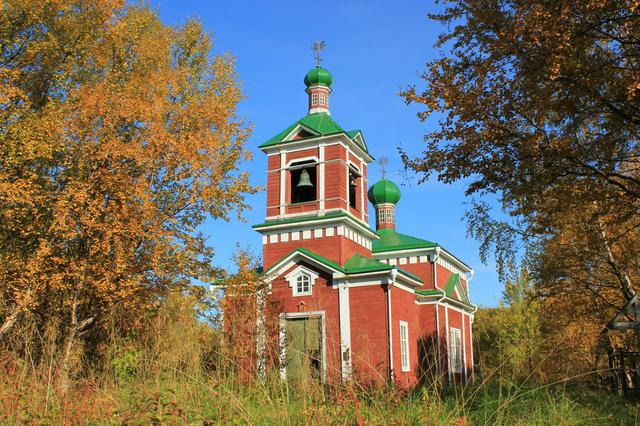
{"points": [[312, 255], [450, 286], [359, 264], [390, 240], [430, 292], [320, 123]]}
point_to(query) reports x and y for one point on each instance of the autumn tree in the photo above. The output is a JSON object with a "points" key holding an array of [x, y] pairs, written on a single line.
{"points": [[119, 136], [538, 105]]}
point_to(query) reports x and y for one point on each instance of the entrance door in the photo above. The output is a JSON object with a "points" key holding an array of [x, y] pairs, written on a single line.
{"points": [[304, 348]]}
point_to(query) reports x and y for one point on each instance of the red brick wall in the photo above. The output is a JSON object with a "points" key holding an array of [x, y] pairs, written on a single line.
{"points": [[369, 328], [273, 185], [403, 308], [423, 270], [337, 249]]}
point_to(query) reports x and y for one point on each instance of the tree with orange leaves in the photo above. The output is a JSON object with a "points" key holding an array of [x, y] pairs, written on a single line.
{"points": [[537, 104], [119, 136]]}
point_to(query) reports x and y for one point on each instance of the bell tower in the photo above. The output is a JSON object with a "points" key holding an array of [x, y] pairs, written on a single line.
{"points": [[316, 183]]}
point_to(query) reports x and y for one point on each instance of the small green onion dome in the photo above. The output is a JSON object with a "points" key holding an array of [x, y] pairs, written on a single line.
{"points": [[318, 76], [384, 192]]}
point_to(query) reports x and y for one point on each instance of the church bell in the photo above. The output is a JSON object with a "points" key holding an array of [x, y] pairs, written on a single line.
{"points": [[304, 181]]}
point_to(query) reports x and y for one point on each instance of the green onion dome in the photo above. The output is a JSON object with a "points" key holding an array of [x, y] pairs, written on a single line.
{"points": [[384, 192], [318, 76]]}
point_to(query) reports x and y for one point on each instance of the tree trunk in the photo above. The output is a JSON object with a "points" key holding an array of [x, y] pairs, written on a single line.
{"points": [[13, 316], [9, 321], [76, 330]]}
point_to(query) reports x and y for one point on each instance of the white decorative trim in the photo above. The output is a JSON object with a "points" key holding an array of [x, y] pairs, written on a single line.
{"points": [[295, 235], [292, 277], [306, 234], [317, 233], [446, 322], [273, 238], [337, 139], [329, 232], [345, 330], [283, 179], [322, 178], [464, 349]]}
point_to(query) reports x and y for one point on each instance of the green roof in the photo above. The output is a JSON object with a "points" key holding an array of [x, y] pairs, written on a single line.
{"points": [[390, 240], [318, 124], [450, 286], [430, 292], [357, 264], [384, 191], [318, 76]]}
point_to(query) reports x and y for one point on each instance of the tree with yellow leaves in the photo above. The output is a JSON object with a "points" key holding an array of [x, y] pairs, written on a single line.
{"points": [[538, 105], [119, 136]]}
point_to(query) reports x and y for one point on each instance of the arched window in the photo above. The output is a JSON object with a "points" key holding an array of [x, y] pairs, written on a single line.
{"points": [[302, 285]]}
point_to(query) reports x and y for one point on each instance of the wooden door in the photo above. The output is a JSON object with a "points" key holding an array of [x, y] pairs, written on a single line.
{"points": [[304, 349]]}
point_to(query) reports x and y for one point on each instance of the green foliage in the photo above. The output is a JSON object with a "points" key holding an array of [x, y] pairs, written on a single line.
{"points": [[125, 364], [508, 338]]}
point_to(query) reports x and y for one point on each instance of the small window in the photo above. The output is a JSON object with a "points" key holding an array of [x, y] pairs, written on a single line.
{"points": [[322, 98], [303, 285], [303, 182], [381, 213], [404, 346], [314, 99], [456, 350], [389, 215]]}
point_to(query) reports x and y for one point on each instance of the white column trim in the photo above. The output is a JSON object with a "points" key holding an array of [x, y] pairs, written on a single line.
{"points": [[345, 330], [464, 347], [321, 185], [471, 340], [283, 176], [363, 206], [446, 321]]}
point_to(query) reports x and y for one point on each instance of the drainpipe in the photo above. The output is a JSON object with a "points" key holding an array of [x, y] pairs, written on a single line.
{"points": [[435, 257], [394, 274]]}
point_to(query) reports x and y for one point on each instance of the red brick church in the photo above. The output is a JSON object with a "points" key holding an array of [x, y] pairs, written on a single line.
{"points": [[354, 303]]}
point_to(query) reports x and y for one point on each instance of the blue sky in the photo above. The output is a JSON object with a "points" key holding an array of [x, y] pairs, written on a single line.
{"points": [[374, 48]]}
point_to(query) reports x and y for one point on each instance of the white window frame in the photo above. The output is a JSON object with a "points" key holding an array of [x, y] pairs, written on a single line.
{"points": [[292, 279], [381, 216], [302, 280], [389, 215], [314, 99], [405, 362], [455, 343], [323, 98]]}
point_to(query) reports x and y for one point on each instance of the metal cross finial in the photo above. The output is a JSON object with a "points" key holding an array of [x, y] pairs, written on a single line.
{"points": [[383, 161], [317, 47]]}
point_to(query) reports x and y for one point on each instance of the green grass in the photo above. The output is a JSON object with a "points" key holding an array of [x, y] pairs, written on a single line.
{"points": [[180, 398]]}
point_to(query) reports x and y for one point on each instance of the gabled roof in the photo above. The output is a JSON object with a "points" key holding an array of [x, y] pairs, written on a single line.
{"points": [[357, 264], [318, 124], [390, 240], [454, 284], [326, 262]]}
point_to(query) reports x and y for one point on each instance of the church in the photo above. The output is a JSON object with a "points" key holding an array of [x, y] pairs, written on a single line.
{"points": [[354, 303]]}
